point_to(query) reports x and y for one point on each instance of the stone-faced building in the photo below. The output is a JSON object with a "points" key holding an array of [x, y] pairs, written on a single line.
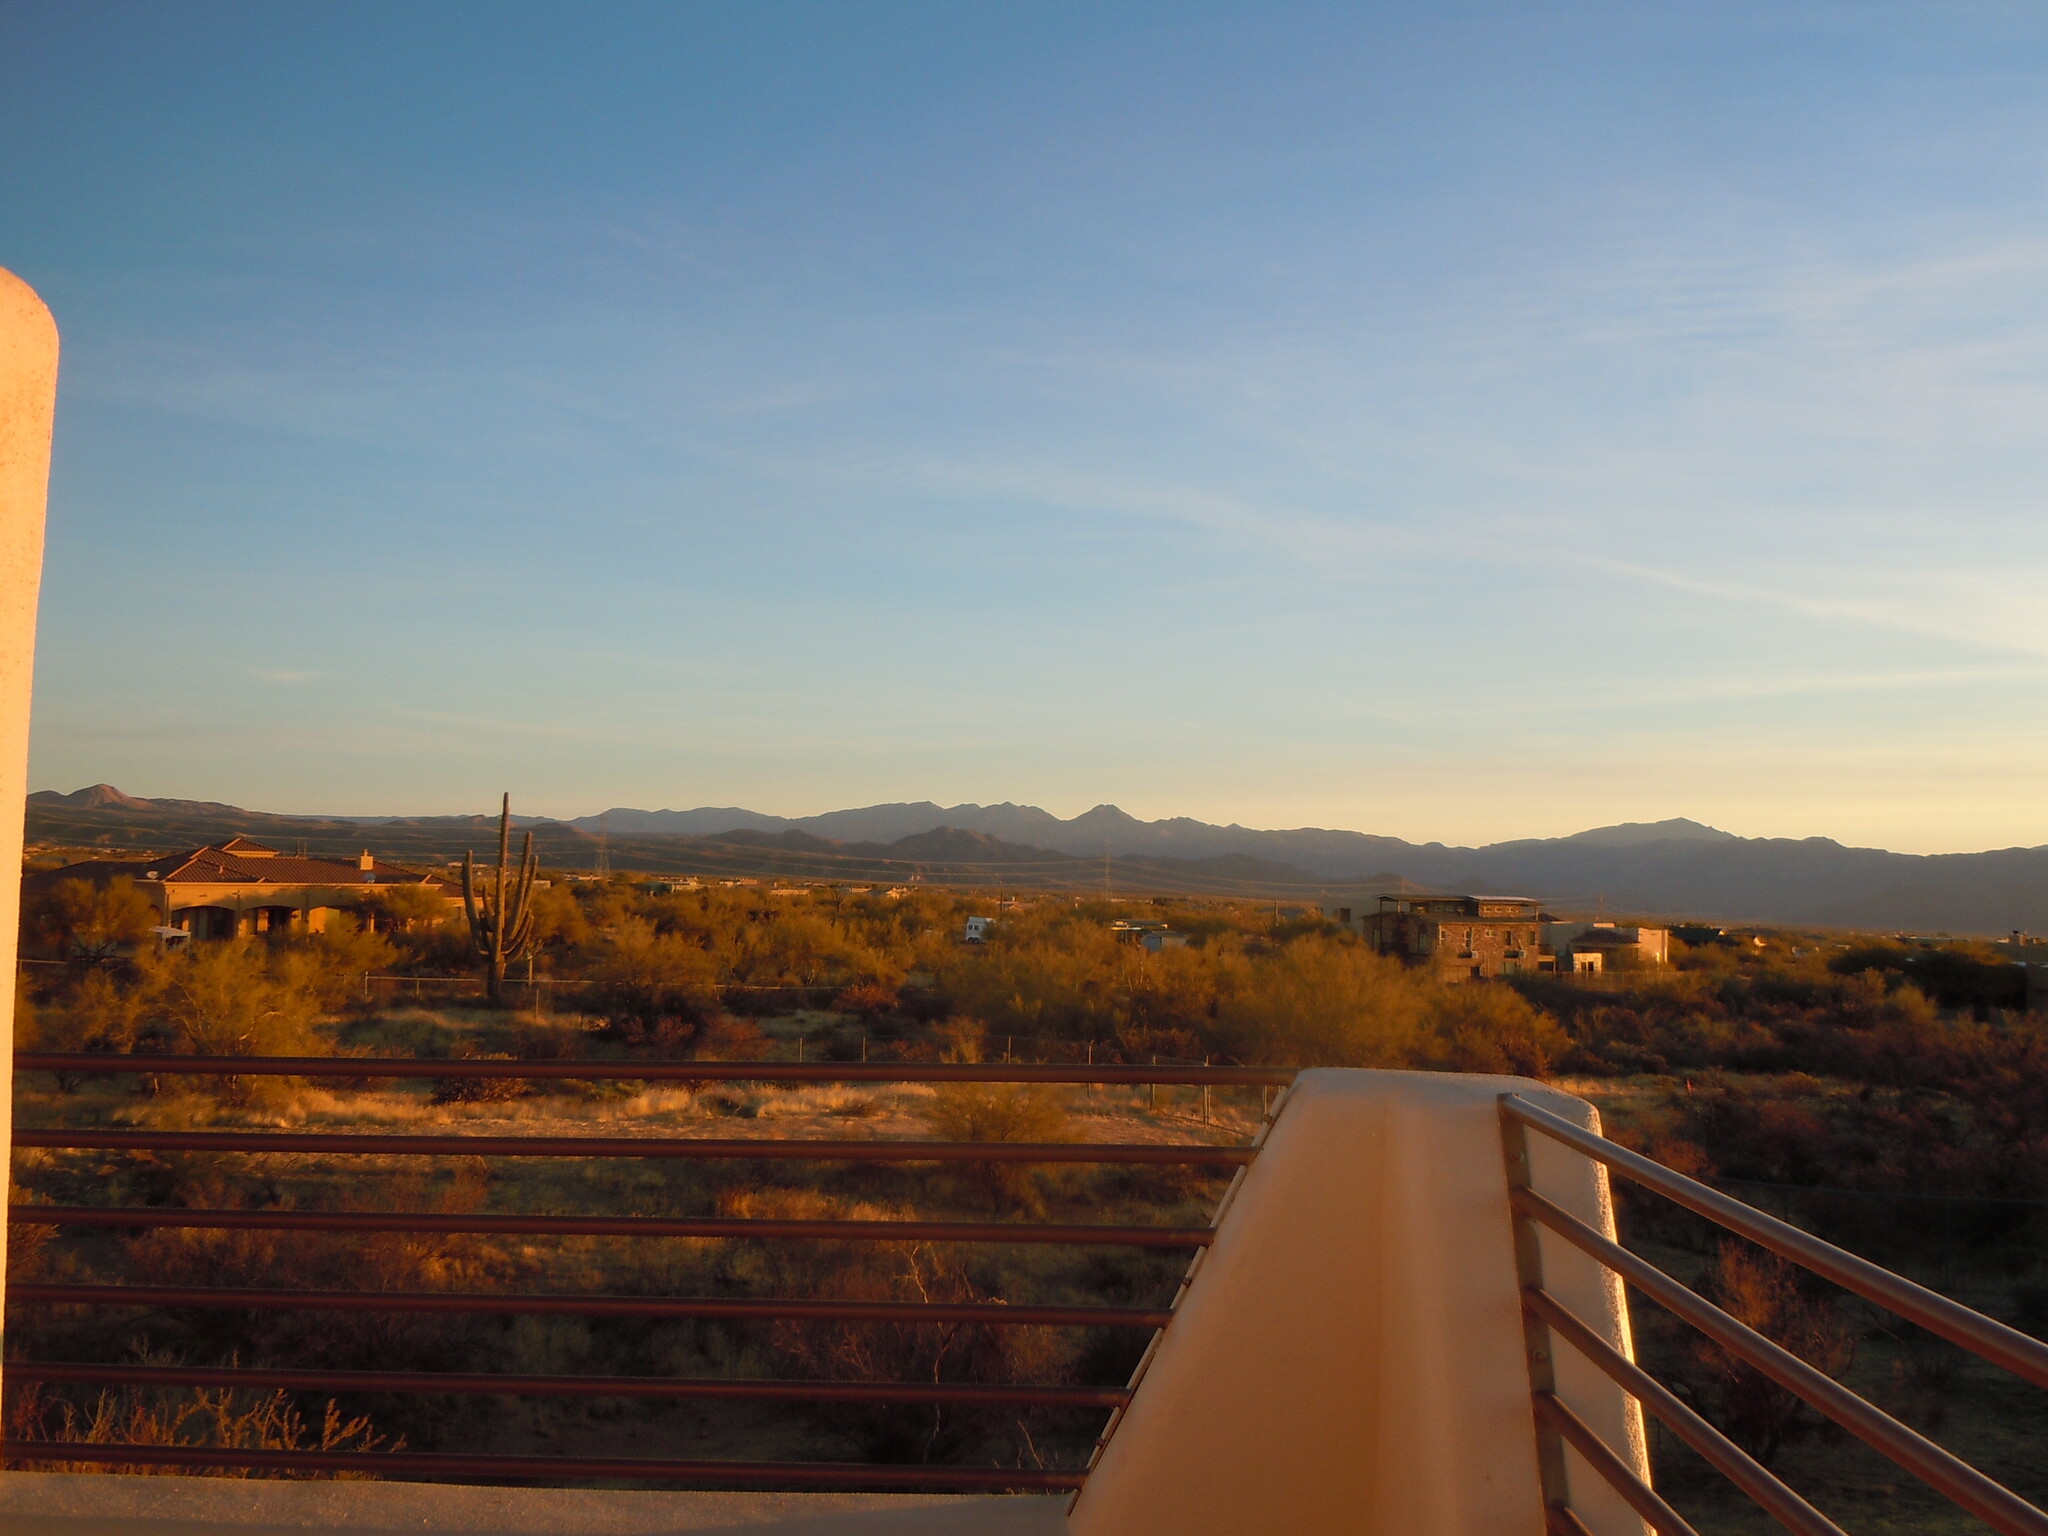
{"points": [[241, 887], [1459, 938]]}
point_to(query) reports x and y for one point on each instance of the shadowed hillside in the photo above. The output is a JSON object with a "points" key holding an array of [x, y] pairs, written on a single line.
{"points": [[1675, 868]]}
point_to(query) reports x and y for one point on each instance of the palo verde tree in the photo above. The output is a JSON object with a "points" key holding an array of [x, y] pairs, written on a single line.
{"points": [[500, 918]]}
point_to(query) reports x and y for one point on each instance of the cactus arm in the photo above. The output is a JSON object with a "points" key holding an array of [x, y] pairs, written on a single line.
{"points": [[469, 900], [529, 866], [516, 918], [504, 852]]}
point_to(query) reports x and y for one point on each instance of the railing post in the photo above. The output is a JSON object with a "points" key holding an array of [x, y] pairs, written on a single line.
{"points": [[1537, 1345], [28, 402]]}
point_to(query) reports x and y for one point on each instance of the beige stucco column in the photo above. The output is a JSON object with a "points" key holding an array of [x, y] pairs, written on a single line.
{"points": [[28, 400]]}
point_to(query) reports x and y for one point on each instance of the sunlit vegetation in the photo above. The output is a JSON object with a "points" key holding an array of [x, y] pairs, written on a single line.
{"points": [[1892, 1098]]}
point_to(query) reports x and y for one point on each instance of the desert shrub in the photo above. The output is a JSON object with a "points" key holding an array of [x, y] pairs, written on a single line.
{"points": [[230, 999], [28, 1022], [103, 1012], [960, 1038], [1925, 1372], [1769, 1295], [727, 1037], [1974, 977], [833, 1351], [868, 1000], [400, 909], [1141, 1042], [1044, 975], [999, 1112], [1324, 1001], [996, 1112], [558, 919], [479, 1090], [652, 988], [27, 1242], [1494, 1029], [394, 1261], [78, 919], [329, 966], [440, 949]]}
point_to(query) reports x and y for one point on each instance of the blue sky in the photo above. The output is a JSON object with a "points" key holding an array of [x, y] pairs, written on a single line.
{"points": [[1451, 421]]}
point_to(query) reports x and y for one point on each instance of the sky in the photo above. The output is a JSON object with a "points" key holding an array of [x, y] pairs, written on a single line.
{"points": [[1449, 421]]}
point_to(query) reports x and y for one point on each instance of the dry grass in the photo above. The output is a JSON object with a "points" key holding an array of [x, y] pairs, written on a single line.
{"points": [[200, 1417]]}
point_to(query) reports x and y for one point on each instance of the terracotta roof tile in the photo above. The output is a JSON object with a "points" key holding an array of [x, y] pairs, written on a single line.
{"points": [[217, 865]]}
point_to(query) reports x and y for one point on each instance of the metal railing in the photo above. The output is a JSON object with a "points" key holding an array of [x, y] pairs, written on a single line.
{"points": [[849, 1475], [1548, 1321]]}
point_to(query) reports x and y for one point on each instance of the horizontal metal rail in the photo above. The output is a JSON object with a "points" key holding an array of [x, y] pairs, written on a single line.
{"points": [[251, 1378], [422, 1464], [984, 1313], [1985, 1337], [1014, 1397], [372, 1145], [86, 1063], [1956, 1480], [147, 1216], [1721, 1453], [1616, 1473]]}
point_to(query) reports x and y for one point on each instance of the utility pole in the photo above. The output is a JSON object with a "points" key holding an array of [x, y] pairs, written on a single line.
{"points": [[604, 846]]}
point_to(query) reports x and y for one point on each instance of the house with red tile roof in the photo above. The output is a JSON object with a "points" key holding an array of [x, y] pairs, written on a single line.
{"points": [[243, 887]]}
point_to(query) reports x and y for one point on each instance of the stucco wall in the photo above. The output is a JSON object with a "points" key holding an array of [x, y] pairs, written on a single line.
{"points": [[1349, 1356], [28, 400]]}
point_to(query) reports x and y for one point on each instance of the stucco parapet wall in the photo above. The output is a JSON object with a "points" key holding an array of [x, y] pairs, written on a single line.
{"points": [[100, 1504], [1348, 1359]]}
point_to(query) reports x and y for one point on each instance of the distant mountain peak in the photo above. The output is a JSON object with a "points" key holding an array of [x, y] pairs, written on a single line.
{"points": [[1106, 815], [1629, 834], [94, 797]]}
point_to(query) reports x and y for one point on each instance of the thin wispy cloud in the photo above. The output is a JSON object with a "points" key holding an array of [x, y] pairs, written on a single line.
{"points": [[1313, 406]]}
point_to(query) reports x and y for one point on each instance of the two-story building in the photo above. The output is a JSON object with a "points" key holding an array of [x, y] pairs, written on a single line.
{"points": [[1459, 938]]}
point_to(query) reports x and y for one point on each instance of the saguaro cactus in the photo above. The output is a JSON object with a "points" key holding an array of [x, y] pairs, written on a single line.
{"points": [[500, 920]]}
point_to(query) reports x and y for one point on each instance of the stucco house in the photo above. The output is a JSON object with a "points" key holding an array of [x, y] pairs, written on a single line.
{"points": [[243, 887]]}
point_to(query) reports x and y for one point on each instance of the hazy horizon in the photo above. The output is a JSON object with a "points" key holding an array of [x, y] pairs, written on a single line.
{"points": [[1454, 423], [568, 815]]}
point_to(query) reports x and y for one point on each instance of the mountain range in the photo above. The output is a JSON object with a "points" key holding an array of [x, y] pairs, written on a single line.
{"points": [[1323, 854], [1674, 868]]}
